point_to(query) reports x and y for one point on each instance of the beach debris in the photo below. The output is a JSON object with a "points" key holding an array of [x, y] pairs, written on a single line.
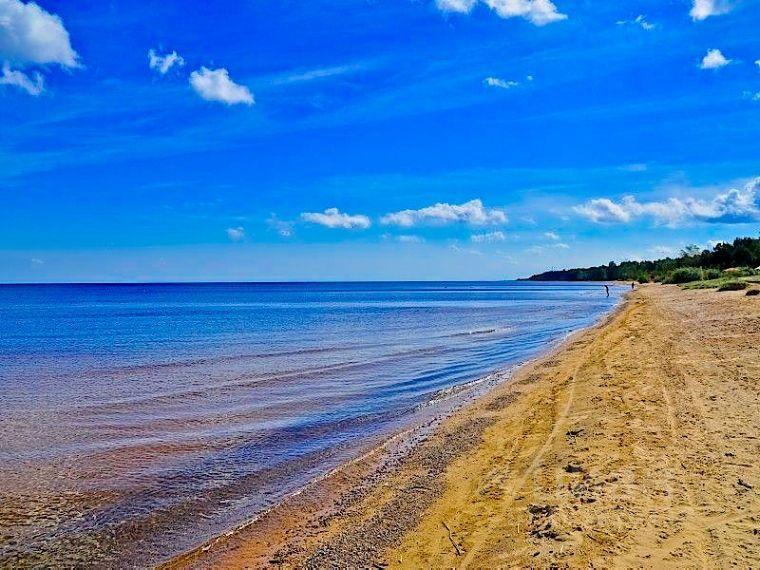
{"points": [[570, 468], [545, 530], [541, 523], [752, 292], [541, 510], [574, 432], [451, 539], [743, 483]]}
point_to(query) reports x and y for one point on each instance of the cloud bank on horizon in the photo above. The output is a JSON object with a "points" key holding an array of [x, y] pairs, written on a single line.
{"points": [[514, 132], [734, 206]]}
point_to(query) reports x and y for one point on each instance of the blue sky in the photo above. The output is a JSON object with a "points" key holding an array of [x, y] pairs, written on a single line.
{"points": [[342, 139]]}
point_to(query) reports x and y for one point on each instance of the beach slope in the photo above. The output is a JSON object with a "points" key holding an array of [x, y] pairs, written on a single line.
{"points": [[635, 444], [638, 446]]}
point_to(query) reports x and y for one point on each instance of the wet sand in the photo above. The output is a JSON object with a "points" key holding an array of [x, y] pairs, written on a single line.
{"points": [[633, 445]]}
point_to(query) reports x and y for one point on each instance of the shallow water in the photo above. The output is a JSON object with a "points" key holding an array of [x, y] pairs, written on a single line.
{"points": [[139, 420]]}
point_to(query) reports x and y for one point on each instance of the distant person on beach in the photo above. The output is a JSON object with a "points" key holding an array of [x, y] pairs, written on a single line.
{"points": [[607, 288], [633, 285]]}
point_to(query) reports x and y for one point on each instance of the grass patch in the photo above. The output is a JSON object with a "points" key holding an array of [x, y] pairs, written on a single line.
{"points": [[717, 283]]}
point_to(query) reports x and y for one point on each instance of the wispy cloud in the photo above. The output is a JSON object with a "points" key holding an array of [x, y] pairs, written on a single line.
{"points": [[334, 218], [467, 250], [163, 63], [489, 237], [472, 212], [315, 74], [216, 85], [537, 12], [552, 236], [703, 9], [409, 239], [236, 234], [636, 167], [500, 83], [736, 205], [542, 249], [640, 21], [282, 227], [664, 250], [22, 81], [714, 59]]}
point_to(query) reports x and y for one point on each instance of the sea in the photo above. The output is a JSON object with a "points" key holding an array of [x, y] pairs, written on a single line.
{"points": [[139, 420]]}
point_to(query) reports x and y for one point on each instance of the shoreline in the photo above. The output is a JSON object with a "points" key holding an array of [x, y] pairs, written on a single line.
{"points": [[269, 534], [633, 444]]}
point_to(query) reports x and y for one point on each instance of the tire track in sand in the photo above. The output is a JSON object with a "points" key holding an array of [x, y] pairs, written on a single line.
{"points": [[559, 426]]}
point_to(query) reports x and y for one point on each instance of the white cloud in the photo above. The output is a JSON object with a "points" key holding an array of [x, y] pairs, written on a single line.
{"points": [[22, 81], [460, 6], [703, 9], [538, 12], [334, 218], [500, 83], [489, 237], [551, 236], [30, 35], [163, 63], [216, 85], [751, 96], [757, 62], [714, 59], [603, 210], [472, 212], [236, 234], [736, 205]]}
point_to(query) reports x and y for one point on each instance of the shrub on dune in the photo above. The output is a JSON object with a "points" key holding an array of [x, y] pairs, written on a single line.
{"points": [[733, 286], [684, 275]]}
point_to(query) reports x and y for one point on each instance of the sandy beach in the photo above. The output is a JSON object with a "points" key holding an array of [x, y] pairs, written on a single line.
{"points": [[634, 444]]}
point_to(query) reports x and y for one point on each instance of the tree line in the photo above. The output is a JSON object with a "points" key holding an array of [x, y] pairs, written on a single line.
{"points": [[742, 253]]}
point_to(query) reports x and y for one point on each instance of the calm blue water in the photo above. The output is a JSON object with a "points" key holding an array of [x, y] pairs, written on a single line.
{"points": [[138, 420]]}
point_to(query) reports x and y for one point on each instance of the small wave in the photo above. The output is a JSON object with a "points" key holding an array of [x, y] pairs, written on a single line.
{"points": [[493, 330]]}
